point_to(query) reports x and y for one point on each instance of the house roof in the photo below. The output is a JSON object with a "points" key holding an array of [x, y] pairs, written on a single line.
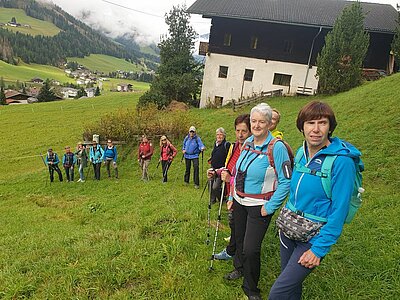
{"points": [[379, 17]]}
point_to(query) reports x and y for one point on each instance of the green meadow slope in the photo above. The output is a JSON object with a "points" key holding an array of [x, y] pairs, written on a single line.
{"points": [[37, 27], [105, 63], [128, 239]]}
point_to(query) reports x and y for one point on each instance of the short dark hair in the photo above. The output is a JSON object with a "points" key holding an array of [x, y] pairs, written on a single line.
{"points": [[245, 118], [316, 110]]}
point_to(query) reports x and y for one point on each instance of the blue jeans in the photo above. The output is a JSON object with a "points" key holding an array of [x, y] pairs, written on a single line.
{"points": [[81, 174], [289, 284]]}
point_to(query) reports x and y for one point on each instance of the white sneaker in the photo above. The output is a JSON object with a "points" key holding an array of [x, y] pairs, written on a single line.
{"points": [[82, 180]]}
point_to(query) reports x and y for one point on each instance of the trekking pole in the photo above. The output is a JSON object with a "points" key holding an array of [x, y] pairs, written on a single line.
{"points": [[47, 178], [217, 227], [209, 209], [202, 167], [90, 165]]}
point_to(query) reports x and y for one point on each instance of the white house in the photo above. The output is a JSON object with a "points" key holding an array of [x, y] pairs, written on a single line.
{"points": [[259, 46]]}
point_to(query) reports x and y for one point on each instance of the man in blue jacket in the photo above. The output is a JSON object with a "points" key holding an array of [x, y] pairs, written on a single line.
{"points": [[308, 202], [192, 147], [52, 162]]}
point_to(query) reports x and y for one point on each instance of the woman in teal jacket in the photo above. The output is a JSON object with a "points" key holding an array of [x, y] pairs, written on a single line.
{"points": [[307, 198]]}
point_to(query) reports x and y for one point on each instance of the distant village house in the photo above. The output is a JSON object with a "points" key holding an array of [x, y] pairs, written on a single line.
{"points": [[122, 87]]}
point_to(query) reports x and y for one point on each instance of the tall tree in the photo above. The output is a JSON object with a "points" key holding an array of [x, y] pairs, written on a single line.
{"points": [[97, 92], [340, 61], [396, 40], [178, 76], [2, 96], [45, 93]]}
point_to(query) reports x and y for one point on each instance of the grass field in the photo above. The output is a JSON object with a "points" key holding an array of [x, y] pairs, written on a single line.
{"points": [[25, 72], [38, 27], [105, 63], [128, 239]]}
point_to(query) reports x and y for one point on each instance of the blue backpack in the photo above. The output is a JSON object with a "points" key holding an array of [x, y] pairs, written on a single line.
{"points": [[326, 174]]}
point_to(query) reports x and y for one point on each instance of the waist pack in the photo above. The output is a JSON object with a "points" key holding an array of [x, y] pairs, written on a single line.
{"points": [[326, 175], [296, 227]]}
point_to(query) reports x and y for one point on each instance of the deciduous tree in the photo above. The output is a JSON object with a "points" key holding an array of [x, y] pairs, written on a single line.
{"points": [[340, 61]]}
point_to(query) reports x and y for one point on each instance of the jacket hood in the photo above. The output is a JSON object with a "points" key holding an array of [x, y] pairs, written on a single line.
{"points": [[341, 147]]}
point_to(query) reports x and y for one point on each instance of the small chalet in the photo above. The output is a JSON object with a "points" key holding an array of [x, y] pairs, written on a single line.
{"points": [[68, 92], [37, 80], [15, 97], [259, 46], [90, 92], [122, 87]]}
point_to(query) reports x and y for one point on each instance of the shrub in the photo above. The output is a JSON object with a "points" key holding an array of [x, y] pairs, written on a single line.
{"points": [[127, 125]]}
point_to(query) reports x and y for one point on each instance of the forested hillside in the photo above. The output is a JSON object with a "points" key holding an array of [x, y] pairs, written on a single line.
{"points": [[75, 39]]}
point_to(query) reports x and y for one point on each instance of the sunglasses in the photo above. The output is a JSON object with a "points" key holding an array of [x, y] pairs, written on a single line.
{"points": [[191, 131], [163, 140]]}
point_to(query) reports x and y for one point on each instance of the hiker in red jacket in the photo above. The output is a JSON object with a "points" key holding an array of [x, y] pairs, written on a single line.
{"points": [[144, 155], [167, 154]]}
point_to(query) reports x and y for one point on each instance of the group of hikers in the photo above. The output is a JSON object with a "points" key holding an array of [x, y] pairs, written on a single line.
{"points": [[254, 175], [80, 159], [258, 171]]}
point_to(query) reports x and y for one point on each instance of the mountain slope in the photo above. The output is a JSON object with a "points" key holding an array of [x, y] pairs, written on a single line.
{"points": [[75, 39]]}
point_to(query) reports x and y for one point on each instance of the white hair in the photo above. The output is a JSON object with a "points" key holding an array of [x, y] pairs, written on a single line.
{"points": [[221, 130], [263, 109]]}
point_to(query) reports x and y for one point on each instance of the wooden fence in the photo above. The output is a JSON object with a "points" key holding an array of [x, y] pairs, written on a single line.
{"points": [[243, 102]]}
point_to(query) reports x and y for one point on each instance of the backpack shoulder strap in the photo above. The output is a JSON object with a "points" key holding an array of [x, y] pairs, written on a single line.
{"points": [[270, 151], [326, 168]]}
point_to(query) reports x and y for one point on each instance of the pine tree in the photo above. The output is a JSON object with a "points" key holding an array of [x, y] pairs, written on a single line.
{"points": [[396, 41], [45, 93], [2, 97], [179, 75], [97, 92], [81, 93], [340, 61]]}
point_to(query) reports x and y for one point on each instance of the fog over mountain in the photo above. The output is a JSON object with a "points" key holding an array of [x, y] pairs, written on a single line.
{"points": [[144, 20]]}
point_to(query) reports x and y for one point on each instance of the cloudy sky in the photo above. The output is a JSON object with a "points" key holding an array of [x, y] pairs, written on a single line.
{"points": [[143, 19]]}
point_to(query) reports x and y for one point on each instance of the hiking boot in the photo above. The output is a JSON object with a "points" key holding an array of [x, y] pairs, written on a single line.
{"points": [[255, 297], [223, 255], [79, 180], [196, 186], [235, 274], [82, 181]]}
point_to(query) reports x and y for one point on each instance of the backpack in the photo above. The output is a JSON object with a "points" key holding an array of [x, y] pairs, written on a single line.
{"points": [[270, 156], [326, 175]]}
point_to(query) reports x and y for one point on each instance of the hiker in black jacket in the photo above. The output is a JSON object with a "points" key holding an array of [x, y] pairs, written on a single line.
{"points": [[217, 161]]}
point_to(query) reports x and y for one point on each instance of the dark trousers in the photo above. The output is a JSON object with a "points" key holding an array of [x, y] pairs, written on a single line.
{"points": [[250, 229], [196, 170], [96, 169], [108, 162], [53, 168], [288, 286], [69, 173], [165, 164], [216, 189], [231, 248]]}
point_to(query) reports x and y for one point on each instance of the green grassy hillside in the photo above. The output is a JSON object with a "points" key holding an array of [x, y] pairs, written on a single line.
{"points": [[128, 239], [38, 27], [25, 72], [105, 63]]}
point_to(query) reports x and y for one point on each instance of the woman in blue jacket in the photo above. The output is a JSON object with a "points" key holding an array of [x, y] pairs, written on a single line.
{"points": [[259, 190], [317, 122]]}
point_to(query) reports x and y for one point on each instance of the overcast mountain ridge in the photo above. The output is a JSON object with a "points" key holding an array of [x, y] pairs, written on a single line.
{"points": [[76, 39]]}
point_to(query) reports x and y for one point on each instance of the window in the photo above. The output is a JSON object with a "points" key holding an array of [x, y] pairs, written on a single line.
{"points": [[253, 43], [227, 39], [218, 101], [248, 75], [288, 46], [223, 72], [282, 79]]}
